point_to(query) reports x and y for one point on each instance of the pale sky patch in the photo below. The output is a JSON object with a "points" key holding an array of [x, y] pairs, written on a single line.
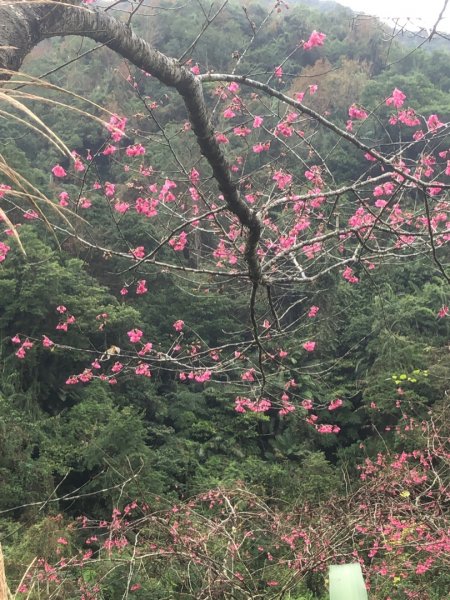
{"points": [[420, 13]]}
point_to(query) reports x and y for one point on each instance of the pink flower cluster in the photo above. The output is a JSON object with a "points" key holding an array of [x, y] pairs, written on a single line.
{"points": [[165, 194], [325, 428], [58, 171], [287, 406], [146, 206], [243, 404], [315, 39], [397, 99], [143, 369], [334, 404], [309, 346], [283, 179], [387, 189], [116, 127], [349, 276], [138, 252], [25, 345], [135, 335], [178, 325], [357, 113], [198, 376], [443, 312], [141, 287], [313, 311], [69, 319], [135, 150], [178, 243], [4, 249]]}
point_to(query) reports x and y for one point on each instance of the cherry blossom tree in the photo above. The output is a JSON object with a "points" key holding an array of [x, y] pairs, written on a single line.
{"points": [[255, 203], [230, 543]]}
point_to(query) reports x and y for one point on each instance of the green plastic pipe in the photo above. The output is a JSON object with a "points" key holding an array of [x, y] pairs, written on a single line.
{"points": [[347, 583]]}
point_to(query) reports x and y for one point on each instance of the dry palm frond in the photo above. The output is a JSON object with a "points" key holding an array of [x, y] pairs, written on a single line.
{"points": [[4, 217], [13, 107], [27, 190]]}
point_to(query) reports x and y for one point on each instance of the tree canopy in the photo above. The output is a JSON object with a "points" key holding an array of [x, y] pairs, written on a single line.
{"points": [[224, 307]]}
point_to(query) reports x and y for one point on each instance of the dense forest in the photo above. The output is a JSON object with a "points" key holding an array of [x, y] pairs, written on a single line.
{"points": [[185, 413]]}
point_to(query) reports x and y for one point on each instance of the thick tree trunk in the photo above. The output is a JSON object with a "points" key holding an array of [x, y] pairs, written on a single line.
{"points": [[4, 591], [24, 24]]}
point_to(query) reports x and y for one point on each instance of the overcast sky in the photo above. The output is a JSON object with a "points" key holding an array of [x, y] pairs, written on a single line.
{"points": [[421, 12]]}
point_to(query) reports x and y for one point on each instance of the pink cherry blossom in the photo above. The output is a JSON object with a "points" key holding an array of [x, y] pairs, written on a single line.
{"points": [[242, 131], [443, 312], [59, 171], [228, 113], [233, 87], [138, 252], [135, 335], [116, 127], [397, 99], [121, 207], [313, 311], [202, 376], [221, 138], [357, 113], [258, 148], [141, 287], [194, 176], [278, 72], [110, 189], [110, 149], [178, 325], [4, 249], [283, 179], [85, 203], [78, 165], [47, 342], [315, 39], [334, 404], [257, 121], [30, 214], [248, 375], [309, 346], [63, 199], [3, 189], [408, 117], [178, 243], [21, 353], [135, 150], [328, 428], [349, 275], [433, 123], [143, 369], [146, 348]]}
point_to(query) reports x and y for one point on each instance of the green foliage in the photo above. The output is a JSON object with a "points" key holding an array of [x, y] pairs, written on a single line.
{"points": [[380, 346]]}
